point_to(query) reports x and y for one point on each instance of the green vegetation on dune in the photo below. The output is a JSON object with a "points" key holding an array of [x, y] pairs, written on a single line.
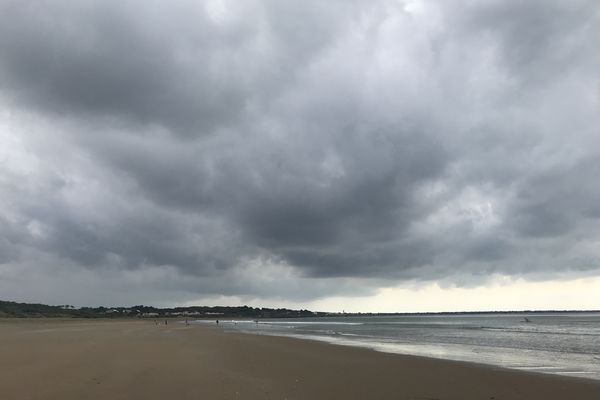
{"points": [[10, 309]]}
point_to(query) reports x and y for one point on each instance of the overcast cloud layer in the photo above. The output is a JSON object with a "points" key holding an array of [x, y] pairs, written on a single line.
{"points": [[163, 151]]}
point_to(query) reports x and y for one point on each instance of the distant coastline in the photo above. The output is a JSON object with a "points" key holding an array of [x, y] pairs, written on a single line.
{"points": [[11, 309]]}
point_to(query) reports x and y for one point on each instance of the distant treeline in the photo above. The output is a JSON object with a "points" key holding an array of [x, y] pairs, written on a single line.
{"points": [[9, 309]]}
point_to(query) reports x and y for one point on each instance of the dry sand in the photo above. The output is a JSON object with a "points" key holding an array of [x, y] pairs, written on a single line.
{"points": [[135, 359]]}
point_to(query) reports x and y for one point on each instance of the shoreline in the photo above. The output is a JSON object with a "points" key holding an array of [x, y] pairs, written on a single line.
{"points": [[425, 357], [97, 359], [535, 358]]}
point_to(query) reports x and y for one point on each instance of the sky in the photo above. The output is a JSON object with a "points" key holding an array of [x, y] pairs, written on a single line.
{"points": [[334, 155]]}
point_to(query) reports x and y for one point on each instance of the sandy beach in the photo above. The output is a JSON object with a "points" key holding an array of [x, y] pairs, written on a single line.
{"points": [[136, 359]]}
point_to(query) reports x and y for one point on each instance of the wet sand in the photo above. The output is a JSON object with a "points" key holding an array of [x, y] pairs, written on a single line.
{"points": [[135, 359]]}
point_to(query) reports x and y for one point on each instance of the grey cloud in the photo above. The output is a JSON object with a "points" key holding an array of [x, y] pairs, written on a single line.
{"points": [[297, 150], [537, 39], [557, 201], [174, 66], [127, 60]]}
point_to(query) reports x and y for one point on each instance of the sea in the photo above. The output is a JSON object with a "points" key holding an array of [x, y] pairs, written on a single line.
{"points": [[555, 343]]}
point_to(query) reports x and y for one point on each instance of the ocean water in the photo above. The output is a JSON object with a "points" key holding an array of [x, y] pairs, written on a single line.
{"points": [[558, 343]]}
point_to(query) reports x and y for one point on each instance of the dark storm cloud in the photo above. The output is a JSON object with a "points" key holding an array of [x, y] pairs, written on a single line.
{"points": [[297, 149]]}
